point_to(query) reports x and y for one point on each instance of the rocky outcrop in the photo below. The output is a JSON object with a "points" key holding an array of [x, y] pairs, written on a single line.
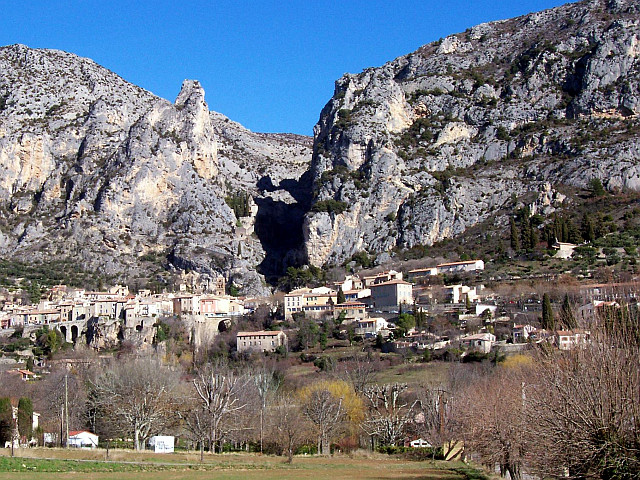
{"points": [[452, 135], [118, 181]]}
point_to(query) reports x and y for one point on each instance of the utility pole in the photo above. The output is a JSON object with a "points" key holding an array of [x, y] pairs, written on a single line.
{"points": [[441, 413], [61, 424], [14, 427], [66, 409]]}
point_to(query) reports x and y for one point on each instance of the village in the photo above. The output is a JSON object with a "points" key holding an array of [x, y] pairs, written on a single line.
{"points": [[376, 337], [367, 307]]}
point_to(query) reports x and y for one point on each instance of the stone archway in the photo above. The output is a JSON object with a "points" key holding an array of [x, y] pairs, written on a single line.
{"points": [[74, 333], [63, 331], [224, 325]]}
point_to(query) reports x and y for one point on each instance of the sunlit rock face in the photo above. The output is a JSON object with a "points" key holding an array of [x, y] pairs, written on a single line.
{"points": [[446, 137], [101, 172]]}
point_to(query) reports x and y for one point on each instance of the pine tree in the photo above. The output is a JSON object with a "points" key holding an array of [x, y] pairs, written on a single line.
{"points": [[597, 190], [548, 322], [574, 235]]}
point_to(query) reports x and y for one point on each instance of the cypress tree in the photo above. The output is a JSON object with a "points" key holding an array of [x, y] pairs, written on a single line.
{"points": [[533, 237], [547, 313], [341, 298], [564, 231], [551, 237], [557, 228], [25, 418], [587, 229], [566, 314]]}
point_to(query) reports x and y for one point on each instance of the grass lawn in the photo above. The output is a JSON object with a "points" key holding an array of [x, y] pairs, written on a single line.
{"points": [[123, 465], [417, 373]]}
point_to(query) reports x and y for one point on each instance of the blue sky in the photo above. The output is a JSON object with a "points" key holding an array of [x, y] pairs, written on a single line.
{"points": [[268, 65]]}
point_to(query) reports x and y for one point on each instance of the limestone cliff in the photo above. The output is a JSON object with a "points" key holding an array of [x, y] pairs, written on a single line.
{"points": [[133, 187], [447, 137], [101, 172]]}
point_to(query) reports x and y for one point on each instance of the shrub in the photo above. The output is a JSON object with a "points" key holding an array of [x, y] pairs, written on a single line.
{"points": [[502, 133], [330, 206]]}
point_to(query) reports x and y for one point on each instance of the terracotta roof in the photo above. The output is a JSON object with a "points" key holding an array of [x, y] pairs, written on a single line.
{"points": [[73, 433], [271, 333]]}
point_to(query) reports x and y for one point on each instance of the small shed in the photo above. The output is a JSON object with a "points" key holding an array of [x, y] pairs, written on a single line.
{"points": [[83, 439], [162, 443]]}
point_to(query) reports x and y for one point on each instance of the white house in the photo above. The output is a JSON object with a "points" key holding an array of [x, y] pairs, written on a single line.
{"points": [[314, 301], [481, 308], [391, 294], [162, 443], [465, 266], [566, 340], [589, 312], [82, 439], [370, 327], [459, 293], [383, 277], [521, 333], [351, 310], [480, 342]]}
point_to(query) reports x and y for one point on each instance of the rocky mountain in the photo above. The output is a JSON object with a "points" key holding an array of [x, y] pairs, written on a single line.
{"points": [[106, 175], [458, 132], [116, 181]]}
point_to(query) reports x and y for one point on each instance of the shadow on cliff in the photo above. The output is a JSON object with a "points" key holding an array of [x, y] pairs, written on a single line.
{"points": [[279, 225]]}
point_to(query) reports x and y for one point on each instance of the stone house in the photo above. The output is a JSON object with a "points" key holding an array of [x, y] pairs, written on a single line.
{"points": [[480, 342], [389, 295], [260, 341]]}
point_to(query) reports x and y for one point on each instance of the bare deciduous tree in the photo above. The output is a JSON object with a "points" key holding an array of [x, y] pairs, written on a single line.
{"points": [[326, 412], [492, 422], [139, 395], [52, 397], [288, 427], [196, 420], [266, 384], [387, 415], [436, 418], [584, 406], [217, 389], [359, 372]]}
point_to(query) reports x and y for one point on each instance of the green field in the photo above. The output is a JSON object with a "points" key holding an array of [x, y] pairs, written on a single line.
{"points": [[54, 464]]}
